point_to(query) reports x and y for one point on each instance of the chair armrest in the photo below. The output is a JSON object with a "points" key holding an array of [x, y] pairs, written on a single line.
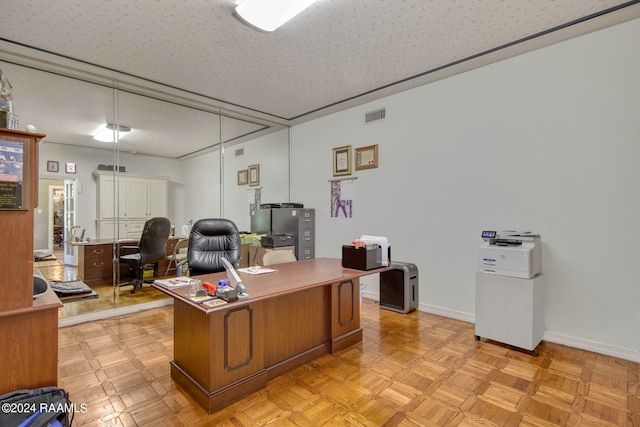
{"points": [[124, 250]]}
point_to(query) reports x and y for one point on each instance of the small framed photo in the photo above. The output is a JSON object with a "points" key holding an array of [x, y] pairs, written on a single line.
{"points": [[367, 157], [342, 160], [243, 177], [254, 175], [53, 166], [70, 168]]}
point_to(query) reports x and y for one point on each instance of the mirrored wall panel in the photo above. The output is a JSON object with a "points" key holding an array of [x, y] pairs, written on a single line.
{"points": [[173, 155]]}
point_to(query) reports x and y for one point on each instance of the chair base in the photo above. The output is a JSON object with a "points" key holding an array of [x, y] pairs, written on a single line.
{"points": [[139, 280], [137, 284]]}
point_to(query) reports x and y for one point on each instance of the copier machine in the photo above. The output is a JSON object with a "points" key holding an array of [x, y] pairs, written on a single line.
{"points": [[510, 289], [511, 253]]}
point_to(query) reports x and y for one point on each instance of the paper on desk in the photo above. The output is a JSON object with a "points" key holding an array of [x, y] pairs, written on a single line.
{"points": [[256, 270], [173, 283]]}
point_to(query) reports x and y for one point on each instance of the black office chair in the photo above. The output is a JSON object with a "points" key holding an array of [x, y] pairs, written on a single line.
{"points": [[210, 240], [151, 248]]}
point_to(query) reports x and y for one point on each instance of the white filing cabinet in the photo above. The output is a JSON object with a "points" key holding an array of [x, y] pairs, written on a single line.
{"points": [[510, 309]]}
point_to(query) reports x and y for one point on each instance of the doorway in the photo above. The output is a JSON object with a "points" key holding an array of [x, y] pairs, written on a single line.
{"points": [[43, 216], [56, 209]]}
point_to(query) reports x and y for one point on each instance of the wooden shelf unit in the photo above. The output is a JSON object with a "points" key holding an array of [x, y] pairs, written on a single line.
{"points": [[28, 326]]}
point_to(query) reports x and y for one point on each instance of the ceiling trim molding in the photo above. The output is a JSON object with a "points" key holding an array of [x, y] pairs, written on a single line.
{"points": [[122, 76], [46, 60], [596, 21]]}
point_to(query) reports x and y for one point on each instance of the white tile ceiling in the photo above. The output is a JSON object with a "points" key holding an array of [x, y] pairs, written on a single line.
{"points": [[324, 59]]}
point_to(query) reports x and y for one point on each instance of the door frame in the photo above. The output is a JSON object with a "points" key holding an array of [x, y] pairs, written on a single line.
{"points": [[50, 229]]}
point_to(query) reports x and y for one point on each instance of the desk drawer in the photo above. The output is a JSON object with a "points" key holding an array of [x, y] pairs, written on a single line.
{"points": [[95, 262], [306, 253], [307, 219], [134, 229], [306, 237], [100, 253]]}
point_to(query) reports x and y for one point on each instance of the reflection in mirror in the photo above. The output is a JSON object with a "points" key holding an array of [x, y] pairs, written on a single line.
{"points": [[269, 157], [194, 147]]}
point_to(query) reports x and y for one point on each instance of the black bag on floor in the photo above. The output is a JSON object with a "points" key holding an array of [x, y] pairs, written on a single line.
{"points": [[40, 407]]}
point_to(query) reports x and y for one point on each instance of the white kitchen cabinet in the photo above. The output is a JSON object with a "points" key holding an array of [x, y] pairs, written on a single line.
{"points": [[125, 229], [140, 197]]}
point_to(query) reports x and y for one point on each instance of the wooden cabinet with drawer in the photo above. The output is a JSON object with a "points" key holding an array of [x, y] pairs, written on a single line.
{"points": [[95, 260]]}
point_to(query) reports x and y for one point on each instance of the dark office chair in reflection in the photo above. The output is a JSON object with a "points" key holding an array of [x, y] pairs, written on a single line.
{"points": [[151, 248], [210, 240]]}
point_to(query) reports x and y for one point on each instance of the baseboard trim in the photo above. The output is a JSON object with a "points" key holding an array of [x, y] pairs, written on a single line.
{"points": [[445, 312], [120, 311], [596, 347], [549, 336], [372, 296]]}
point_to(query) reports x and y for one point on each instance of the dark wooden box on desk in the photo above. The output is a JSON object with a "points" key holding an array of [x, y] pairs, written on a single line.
{"points": [[305, 309], [360, 258]]}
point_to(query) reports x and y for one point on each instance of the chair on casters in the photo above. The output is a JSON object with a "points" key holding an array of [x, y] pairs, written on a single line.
{"points": [[210, 240], [179, 254], [278, 257], [151, 248]]}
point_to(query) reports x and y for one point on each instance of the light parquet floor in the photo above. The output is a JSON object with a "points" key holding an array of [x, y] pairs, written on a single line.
{"points": [[412, 369]]}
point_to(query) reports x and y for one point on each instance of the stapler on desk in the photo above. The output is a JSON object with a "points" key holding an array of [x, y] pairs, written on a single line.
{"points": [[227, 293]]}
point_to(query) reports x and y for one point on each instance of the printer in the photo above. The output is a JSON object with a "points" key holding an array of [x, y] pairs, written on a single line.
{"points": [[276, 240], [511, 253]]}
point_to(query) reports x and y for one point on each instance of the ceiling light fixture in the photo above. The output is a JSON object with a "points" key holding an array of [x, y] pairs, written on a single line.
{"points": [[268, 15], [110, 132]]}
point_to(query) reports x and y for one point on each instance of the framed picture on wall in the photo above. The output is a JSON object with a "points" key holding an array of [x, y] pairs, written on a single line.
{"points": [[52, 166], [342, 160], [243, 177], [70, 168], [254, 175], [367, 157]]}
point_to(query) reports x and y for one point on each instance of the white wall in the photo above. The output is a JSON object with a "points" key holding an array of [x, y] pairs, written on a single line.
{"points": [[548, 141], [201, 185], [202, 179], [271, 152]]}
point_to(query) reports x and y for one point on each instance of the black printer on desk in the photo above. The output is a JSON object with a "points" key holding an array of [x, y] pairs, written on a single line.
{"points": [[276, 241]]}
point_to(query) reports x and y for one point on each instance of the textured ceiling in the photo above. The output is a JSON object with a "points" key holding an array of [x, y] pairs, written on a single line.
{"points": [[331, 56]]}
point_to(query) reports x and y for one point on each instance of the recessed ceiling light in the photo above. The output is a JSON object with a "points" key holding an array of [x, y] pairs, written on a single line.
{"points": [[110, 132], [268, 15]]}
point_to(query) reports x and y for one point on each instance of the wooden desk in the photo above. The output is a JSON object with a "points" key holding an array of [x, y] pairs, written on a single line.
{"points": [[95, 260], [29, 342], [305, 309]]}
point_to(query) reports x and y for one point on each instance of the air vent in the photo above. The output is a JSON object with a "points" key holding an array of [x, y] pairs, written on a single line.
{"points": [[239, 152], [374, 116]]}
